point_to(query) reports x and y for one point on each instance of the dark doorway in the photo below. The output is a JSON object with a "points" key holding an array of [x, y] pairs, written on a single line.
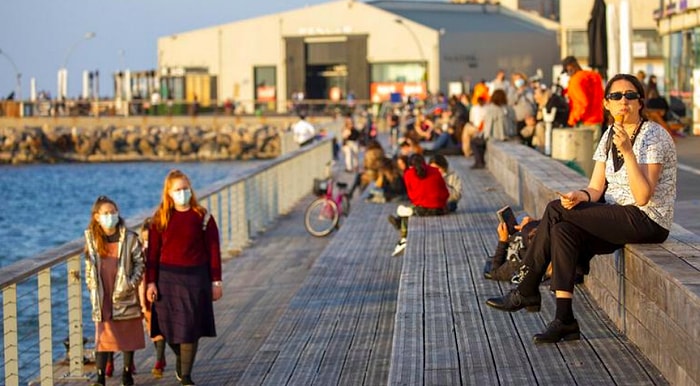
{"points": [[325, 81]]}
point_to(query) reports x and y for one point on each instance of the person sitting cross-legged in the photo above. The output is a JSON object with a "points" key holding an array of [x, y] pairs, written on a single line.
{"points": [[427, 192]]}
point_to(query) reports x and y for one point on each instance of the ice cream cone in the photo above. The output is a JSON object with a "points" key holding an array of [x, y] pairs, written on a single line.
{"points": [[620, 118]]}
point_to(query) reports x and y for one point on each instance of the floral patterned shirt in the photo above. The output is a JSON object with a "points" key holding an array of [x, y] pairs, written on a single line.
{"points": [[653, 145]]}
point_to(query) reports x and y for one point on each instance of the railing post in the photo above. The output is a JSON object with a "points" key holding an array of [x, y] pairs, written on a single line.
{"points": [[45, 322], [9, 309], [75, 319]]}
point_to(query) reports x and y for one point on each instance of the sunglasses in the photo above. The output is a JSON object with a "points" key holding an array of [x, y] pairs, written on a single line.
{"points": [[629, 95]]}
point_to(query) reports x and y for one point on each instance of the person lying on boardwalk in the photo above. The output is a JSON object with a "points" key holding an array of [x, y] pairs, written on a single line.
{"points": [[638, 160], [506, 261]]}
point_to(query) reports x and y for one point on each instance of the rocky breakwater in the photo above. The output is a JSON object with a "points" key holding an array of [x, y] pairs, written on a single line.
{"points": [[46, 144]]}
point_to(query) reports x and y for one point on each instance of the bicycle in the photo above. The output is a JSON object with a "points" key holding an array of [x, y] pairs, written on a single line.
{"points": [[323, 214]]}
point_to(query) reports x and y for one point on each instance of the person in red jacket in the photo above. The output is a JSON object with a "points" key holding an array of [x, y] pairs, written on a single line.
{"points": [[427, 192], [183, 272], [585, 93]]}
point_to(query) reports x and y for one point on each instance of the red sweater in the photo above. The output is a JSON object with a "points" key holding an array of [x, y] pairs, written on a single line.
{"points": [[183, 243], [428, 192]]}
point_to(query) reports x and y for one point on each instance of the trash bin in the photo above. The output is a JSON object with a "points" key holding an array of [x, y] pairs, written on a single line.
{"points": [[574, 144]]}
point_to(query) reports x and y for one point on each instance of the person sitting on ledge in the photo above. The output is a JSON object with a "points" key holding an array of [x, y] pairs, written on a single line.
{"points": [[638, 160]]}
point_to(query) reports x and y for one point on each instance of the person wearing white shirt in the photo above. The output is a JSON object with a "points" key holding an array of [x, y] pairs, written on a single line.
{"points": [[304, 132]]}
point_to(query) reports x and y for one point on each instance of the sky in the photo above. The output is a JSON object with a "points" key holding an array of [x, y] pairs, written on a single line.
{"points": [[39, 36]]}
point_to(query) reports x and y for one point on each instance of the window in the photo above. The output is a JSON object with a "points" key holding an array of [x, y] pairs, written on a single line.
{"points": [[577, 43], [398, 72], [646, 44]]}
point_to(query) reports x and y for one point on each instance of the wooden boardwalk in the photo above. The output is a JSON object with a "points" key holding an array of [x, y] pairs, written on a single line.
{"points": [[300, 310]]}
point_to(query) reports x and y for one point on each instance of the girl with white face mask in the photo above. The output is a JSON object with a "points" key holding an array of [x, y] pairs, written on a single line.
{"points": [[183, 273], [114, 267]]}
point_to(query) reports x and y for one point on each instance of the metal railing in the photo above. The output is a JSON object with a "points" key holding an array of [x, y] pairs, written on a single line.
{"points": [[243, 207]]}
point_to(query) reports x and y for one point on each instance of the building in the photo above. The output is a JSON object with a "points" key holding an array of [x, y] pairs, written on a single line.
{"points": [[369, 49], [679, 27]]}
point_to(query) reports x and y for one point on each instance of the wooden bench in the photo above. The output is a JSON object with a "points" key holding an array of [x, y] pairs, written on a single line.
{"points": [[650, 291], [446, 335]]}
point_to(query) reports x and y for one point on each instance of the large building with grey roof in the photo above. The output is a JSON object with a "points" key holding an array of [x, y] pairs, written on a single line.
{"points": [[372, 50]]}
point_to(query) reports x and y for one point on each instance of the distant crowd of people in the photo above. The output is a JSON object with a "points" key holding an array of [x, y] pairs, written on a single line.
{"points": [[629, 198]]}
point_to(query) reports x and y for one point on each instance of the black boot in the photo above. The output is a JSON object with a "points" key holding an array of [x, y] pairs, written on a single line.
{"points": [[127, 377], [557, 330], [100, 378], [515, 301]]}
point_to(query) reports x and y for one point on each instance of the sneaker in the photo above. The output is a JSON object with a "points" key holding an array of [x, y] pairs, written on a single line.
{"points": [[158, 369], [404, 211], [400, 246], [395, 221]]}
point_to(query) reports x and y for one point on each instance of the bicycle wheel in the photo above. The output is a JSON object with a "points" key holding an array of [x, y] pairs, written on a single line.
{"points": [[321, 217]]}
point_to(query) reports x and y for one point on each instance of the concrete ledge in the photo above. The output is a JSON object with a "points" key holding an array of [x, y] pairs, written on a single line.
{"points": [[650, 291]]}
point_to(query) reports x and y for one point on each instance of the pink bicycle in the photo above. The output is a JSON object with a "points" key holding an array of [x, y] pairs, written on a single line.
{"points": [[323, 214]]}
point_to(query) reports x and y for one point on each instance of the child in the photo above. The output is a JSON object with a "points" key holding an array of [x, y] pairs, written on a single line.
{"points": [[452, 180], [158, 341]]}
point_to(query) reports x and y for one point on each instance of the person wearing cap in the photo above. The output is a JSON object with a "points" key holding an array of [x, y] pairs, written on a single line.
{"points": [[585, 93]]}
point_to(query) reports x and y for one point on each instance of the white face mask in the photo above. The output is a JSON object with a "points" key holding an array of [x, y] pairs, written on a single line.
{"points": [[519, 83], [109, 220], [181, 197]]}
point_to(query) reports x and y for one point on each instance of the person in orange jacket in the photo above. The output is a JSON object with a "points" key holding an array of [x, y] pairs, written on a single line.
{"points": [[585, 93]]}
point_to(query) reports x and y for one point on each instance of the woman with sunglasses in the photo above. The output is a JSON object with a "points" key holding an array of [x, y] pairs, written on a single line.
{"points": [[114, 266], [635, 171], [183, 272]]}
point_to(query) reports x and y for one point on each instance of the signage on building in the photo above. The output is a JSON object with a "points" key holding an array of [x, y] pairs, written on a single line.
{"points": [[381, 91], [266, 93], [340, 30]]}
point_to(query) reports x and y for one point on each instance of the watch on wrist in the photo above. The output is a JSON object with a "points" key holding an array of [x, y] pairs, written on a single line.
{"points": [[216, 283]]}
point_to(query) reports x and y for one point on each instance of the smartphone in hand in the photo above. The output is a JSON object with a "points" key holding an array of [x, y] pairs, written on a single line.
{"points": [[507, 216]]}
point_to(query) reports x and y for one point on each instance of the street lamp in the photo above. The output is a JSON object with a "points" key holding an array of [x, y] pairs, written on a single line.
{"points": [[418, 45], [18, 75], [63, 73], [413, 35]]}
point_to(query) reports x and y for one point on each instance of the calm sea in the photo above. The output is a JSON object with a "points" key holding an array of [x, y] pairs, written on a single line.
{"points": [[44, 206]]}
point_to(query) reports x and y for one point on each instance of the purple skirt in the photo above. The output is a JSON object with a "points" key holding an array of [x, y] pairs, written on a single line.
{"points": [[184, 311]]}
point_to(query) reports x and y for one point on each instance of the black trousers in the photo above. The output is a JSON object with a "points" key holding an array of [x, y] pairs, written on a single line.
{"points": [[571, 237]]}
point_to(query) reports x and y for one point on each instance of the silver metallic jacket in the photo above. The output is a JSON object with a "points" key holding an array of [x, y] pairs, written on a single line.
{"points": [[130, 269]]}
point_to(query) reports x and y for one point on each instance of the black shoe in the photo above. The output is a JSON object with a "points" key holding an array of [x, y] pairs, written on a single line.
{"points": [[100, 379], [127, 378], [514, 301], [487, 270], [186, 381], [557, 330], [395, 221]]}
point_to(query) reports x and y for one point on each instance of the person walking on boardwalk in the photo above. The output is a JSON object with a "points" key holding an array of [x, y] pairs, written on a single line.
{"points": [[183, 272], [114, 267], [158, 340], [637, 160]]}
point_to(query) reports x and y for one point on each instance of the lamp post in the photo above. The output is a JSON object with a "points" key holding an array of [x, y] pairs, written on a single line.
{"points": [[63, 73], [18, 75], [420, 50], [413, 35]]}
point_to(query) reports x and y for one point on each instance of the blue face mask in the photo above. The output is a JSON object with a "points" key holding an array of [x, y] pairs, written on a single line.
{"points": [[181, 197], [519, 82], [109, 220]]}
